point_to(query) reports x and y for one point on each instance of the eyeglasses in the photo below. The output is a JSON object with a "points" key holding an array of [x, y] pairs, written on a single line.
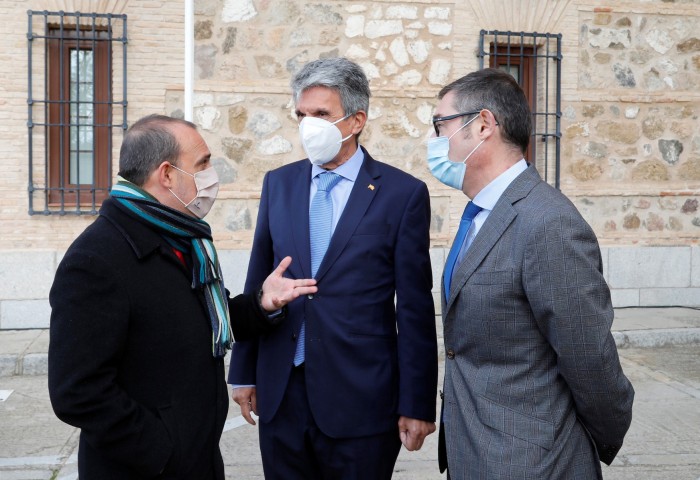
{"points": [[437, 120]]}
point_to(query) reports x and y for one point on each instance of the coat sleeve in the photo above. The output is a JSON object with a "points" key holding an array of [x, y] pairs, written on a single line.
{"points": [[88, 334], [248, 319], [570, 300], [415, 310]]}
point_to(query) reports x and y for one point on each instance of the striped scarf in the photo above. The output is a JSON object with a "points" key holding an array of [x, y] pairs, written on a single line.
{"points": [[186, 234]]}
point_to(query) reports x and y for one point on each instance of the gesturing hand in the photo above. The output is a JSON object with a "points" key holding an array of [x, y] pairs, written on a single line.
{"points": [[279, 291]]}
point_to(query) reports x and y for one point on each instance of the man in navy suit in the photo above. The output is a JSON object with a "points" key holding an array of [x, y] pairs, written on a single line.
{"points": [[352, 373]]}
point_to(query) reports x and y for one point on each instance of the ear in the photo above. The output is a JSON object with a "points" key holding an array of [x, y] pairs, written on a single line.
{"points": [[358, 121], [163, 175], [488, 123]]}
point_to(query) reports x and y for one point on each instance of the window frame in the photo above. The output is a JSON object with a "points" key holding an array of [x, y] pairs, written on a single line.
{"points": [[52, 37], [542, 86], [60, 48]]}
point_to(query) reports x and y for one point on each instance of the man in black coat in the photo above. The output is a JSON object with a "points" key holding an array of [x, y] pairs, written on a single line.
{"points": [[141, 320]]}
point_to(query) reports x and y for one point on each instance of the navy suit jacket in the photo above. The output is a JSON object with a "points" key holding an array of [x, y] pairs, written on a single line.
{"points": [[371, 348]]}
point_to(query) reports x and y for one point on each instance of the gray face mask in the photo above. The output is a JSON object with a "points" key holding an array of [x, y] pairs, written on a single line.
{"points": [[207, 183]]}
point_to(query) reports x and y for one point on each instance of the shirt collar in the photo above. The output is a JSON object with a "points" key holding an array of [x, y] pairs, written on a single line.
{"points": [[348, 170], [490, 194]]}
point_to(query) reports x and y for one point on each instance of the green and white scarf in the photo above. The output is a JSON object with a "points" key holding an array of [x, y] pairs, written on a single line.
{"points": [[188, 235]]}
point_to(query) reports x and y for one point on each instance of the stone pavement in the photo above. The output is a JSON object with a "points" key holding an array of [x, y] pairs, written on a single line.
{"points": [[659, 351]]}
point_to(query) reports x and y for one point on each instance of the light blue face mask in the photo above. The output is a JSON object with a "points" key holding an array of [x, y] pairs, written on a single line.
{"points": [[448, 172]]}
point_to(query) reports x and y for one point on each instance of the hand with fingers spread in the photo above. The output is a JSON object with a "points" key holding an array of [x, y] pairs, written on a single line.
{"points": [[412, 432], [246, 399], [278, 291]]}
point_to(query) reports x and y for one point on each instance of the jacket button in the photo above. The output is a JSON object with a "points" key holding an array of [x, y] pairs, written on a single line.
{"points": [[294, 336], [450, 354], [310, 296]]}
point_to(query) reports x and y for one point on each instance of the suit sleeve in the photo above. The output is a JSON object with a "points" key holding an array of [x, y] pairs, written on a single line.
{"points": [[568, 295], [88, 332], [415, 310], [244, 354]]}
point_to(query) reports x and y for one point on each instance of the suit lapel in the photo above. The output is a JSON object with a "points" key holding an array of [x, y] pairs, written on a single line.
{"points": [[502, 215], [360, 198], [299, 196]]}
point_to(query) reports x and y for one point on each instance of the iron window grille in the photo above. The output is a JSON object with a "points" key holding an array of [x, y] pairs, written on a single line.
{"points": [[72, 108], [534, 59]]}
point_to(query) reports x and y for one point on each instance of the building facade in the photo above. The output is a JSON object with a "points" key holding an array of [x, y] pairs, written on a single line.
{"points": [[614, 87]]}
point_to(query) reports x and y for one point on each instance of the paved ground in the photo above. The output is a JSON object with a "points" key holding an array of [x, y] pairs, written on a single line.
{"points": [[663, 443]]}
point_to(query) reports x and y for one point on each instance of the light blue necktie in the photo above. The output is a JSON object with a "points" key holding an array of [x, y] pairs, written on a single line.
{"points": [[470, 212], [320, 226]]}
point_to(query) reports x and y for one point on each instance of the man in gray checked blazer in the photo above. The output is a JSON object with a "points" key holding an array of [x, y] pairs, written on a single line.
{"points": [[533, 384]]}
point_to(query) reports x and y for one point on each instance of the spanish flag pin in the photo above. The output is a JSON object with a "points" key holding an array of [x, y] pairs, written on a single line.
{"points": [[371, 187]]}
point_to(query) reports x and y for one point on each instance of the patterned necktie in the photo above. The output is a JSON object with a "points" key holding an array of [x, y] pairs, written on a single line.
{"points": [[470, 212], [320, 223]]}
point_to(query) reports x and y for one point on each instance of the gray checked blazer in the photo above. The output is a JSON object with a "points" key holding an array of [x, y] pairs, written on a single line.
{"points": [[533, 384]]}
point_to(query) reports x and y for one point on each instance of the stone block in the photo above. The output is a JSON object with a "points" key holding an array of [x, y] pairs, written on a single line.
{"points": [[234, 265], [19, 314], [25, 275], [669, 297], [16, 342], [625, 297], [7, 365], [695, 266], [437, 262], [604, 257], [35, 364], [40, 343], [649, 267], [438, 304]]}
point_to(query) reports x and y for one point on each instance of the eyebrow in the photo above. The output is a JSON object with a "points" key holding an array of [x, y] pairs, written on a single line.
{"points": [[318, 111], [204, 159]]}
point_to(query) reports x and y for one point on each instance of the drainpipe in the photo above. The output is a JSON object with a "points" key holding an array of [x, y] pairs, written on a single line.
{"points": [[189, 58]]}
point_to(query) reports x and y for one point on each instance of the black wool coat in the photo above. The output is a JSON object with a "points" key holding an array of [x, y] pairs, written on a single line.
{"points": [[130, 355]]}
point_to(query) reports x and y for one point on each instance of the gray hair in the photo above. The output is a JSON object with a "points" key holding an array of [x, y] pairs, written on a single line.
{"points": [[148, 143], [339, 74]]}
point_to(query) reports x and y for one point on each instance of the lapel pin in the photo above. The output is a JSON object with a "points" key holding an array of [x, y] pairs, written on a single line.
{"points": [[371, 187]]}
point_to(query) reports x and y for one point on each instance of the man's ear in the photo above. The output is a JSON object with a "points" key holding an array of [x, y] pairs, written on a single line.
{"points": [[164, 175], [359, 120], [488, 123]]}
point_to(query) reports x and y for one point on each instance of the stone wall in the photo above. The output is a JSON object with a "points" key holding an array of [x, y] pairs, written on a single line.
{"points": [[633, 152]]}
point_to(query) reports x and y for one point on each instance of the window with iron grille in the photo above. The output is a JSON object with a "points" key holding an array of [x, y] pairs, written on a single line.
{"points": [[74, 108], [534, 60]]}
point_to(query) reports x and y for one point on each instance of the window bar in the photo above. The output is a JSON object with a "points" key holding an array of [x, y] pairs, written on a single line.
{"points": [[124, 101], [495, 48], [509, 54], [75, 105], [93, 190], [30, 123], [47, 190], [110, 108], [558, 113], [546, 99], [61, 122], [481, 49], [535, 116]]}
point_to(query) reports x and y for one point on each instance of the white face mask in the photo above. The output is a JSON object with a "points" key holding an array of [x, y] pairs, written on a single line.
{"points": [[321, 139], [207, 184], [448, 172]]}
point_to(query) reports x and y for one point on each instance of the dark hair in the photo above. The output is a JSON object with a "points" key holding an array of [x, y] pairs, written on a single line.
{"points": [[148, 143], [340, 74], [497, 91]]}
